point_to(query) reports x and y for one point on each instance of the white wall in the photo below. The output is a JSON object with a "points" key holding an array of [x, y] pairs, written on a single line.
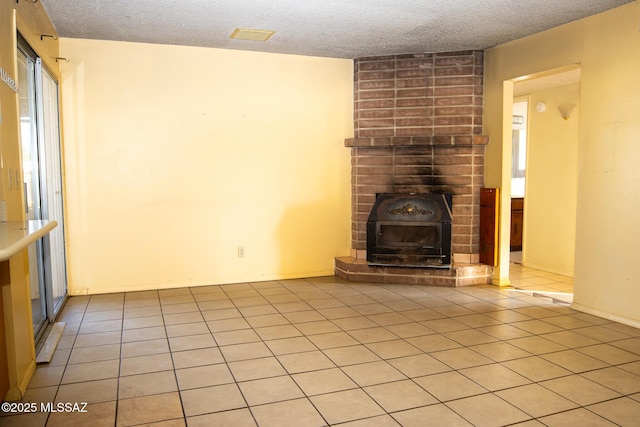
{"points": [[552, 182], [175, 156], [608, 229], [608, 197]]}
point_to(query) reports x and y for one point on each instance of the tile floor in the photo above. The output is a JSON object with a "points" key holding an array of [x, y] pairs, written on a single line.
{"points": [[539, 282], [320, 351]]}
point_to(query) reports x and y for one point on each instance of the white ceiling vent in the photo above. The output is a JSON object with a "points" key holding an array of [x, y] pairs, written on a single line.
{"points": [[248, 34]]}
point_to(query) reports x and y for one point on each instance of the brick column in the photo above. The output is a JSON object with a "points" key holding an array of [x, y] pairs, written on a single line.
{"points": [[418, 123]]}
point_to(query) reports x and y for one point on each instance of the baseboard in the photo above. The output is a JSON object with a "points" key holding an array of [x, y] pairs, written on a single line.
{"points": [[605, 315], [17, 393]]}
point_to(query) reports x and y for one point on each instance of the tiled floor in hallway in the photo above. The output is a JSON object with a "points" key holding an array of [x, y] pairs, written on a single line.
{"points": [[320, 351], [539, 282]]}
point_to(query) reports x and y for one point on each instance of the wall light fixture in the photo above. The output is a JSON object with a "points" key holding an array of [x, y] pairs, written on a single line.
{"points": [[565, 110]]}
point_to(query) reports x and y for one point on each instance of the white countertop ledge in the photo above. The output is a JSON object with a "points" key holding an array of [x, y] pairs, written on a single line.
{"points": [[17, 235]]}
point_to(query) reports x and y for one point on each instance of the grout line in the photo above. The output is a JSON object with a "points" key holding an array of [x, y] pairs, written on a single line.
{"points": [[456, 307]]}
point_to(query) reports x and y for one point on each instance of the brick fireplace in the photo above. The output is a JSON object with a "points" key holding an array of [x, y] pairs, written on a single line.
{"points": [[418, 124]]}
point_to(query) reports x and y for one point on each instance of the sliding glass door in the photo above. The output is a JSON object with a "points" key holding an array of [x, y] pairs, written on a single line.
{"points": [[42, 184], [31, 183], [50, 165]]}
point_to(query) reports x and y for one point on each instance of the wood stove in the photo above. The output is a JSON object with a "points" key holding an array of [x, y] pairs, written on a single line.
{"points": [[410, 230]]}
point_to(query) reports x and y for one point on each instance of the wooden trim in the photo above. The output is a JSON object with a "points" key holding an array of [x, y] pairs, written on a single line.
{"points": [[489, 225]]}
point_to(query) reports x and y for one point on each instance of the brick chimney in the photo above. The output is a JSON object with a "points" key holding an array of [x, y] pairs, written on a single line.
{"points": [[418, 125]]}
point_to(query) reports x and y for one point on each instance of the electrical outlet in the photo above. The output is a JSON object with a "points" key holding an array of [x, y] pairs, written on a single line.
{"points": [[241, 252]]}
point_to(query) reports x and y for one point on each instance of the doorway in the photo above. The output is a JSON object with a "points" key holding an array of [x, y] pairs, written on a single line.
{"points": [[549, 198], [518, 169], [42, 184]]}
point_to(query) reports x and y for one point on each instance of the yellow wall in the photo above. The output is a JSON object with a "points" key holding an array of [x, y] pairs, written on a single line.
{"points": [[551, 181], [608, 197], [175, 156], [32, 22]]}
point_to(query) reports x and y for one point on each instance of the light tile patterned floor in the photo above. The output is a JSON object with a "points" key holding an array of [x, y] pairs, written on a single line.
{"points": [[320, 351], [539, 282]]}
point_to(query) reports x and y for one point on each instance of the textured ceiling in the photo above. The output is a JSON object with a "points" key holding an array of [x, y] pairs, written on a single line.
{"points": [[327, 28]]}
